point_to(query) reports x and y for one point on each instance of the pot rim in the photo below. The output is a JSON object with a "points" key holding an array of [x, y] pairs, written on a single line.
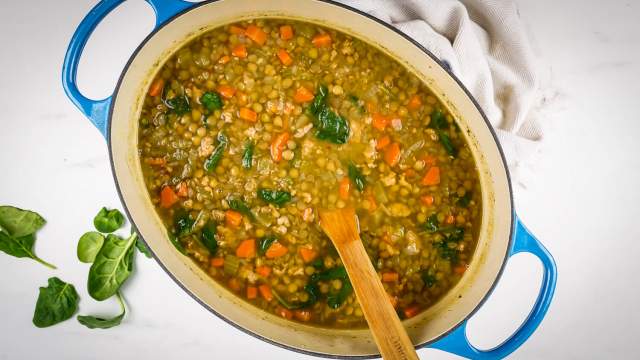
{"points": [[390, 27]]}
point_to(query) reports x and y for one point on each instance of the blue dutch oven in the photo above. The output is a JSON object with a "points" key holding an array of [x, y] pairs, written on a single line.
{"points": [[501, 235]]}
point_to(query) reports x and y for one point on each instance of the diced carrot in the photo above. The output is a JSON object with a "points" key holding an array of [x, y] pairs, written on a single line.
{"points": [[321, 40], [224, 59], [156, 87], [389, 276], [248, 114], [430, 160], [409, 173], [239, 51], [234, 29], [285, 313], [256, 34], [217, 262], [450, 219], [411, 311], [383, 142], [246, 249], [252, 292], [344, 187], [302, 95], [284, 57], [307, 253], [460, 269], [265, 291], [392, 154], [432, 177], [232, 218], [414, 103], [168, 197], [380, 121], [226, 91], [302, 315], [286, 32], [156, 161], [372, 201], [183, 189], [277, 146], [263, 270], [276, 250], [427, 200], [394, 301], [234, 284]]}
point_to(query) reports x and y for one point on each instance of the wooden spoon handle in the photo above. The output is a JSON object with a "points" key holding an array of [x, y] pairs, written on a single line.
{"points": [[389, 334]]}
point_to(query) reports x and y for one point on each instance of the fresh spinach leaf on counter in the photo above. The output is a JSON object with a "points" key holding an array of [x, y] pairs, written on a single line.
{"points": [[108, 221], [96, 322], [276, 197], [112, 266], [18, 233], [57, 302], [89, 245], [142, 248]]}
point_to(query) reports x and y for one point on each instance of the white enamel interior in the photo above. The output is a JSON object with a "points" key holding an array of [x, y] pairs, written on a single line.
{"points": [[497, 211]]}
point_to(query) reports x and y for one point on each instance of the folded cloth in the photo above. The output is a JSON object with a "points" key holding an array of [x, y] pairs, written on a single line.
{"points": [[487, 48]]}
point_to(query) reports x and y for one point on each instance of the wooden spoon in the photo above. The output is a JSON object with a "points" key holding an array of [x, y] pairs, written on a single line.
{"points": [[342, 227]]}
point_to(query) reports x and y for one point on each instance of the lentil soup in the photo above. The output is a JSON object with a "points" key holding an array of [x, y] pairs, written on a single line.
{"points": [[250, 128]]}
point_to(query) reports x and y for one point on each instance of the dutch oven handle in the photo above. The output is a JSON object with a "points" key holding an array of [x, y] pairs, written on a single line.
{"points": [[97, 111], [457, 342]]}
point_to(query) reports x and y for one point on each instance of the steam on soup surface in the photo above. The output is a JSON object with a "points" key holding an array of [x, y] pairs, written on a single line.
{"points": [[250, 128]]}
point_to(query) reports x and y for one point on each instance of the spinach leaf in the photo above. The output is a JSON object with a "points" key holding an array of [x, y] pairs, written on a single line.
{"points": [[247, 156], [239, 206], [276, 197], [18, 233], [18, 222], [448, 247], [108, 221], [432, 223], [56, 303], [182, 223], [264, 243], [211, 101], [208, 237], [95, 322], [111, 267], [335, 300], [328, 125], [177, 244], [179, 104], [212, 161], [89, 245], [142, 247], [286, 304], [465, 200], [429, 280], [336, 273], [438, 120], [447, 144], [356, 177], [357, 103]]}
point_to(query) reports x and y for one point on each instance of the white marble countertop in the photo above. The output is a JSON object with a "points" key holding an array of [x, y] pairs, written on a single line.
{"points": [[579, 195]]}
